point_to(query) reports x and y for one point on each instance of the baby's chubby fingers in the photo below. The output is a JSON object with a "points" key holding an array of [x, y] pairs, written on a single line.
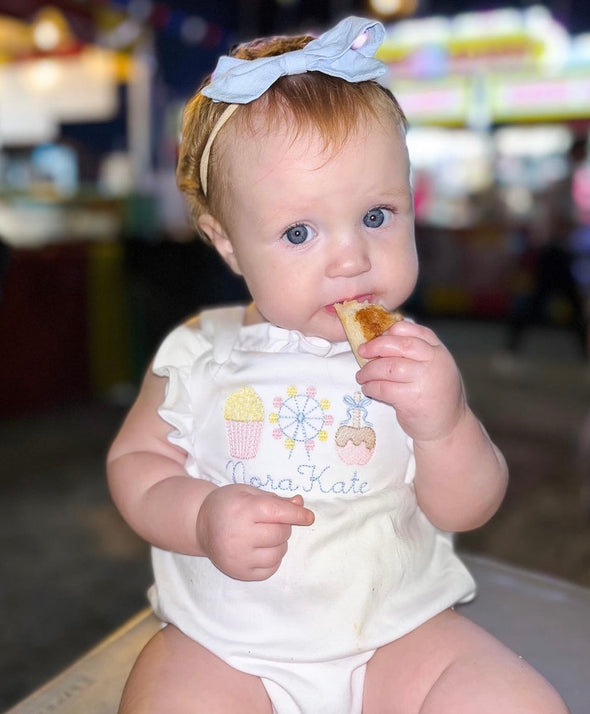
{"points": [[287, 511], [404, 364], [414, 329], [404, 339], [411, 369], [274, 526], [244, 530]]}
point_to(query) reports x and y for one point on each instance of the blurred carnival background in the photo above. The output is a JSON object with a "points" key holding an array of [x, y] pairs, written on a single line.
{"points": [[97, 262]]}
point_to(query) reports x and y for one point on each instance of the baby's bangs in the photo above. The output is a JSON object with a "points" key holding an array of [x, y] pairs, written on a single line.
{"points": [[318, 102]]}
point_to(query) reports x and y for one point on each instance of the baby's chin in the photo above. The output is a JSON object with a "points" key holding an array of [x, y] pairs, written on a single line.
{"points": [[326, 326], [331, 333]]}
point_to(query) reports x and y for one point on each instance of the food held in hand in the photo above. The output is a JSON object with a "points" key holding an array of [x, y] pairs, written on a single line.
{"points": [[363, 321]]}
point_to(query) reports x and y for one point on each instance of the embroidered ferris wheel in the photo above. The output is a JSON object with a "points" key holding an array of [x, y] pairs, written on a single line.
{"points": [[300, 419]]}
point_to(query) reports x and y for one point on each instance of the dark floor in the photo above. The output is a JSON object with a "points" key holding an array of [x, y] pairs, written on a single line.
{"points": [[71, 571]]}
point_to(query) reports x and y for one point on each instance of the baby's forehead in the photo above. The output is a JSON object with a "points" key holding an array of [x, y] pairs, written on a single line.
{"points": [[261, 127], [282, 154]]}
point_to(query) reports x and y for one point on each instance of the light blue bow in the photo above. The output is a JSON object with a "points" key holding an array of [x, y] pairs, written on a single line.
{"points": [[346, 51]]}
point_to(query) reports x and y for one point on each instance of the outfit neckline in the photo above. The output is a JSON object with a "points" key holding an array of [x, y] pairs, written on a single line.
{"points": [[268, 337]]}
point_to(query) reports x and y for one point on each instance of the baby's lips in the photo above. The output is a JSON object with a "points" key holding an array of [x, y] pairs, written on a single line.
{"points": [[358, 298], [365, 297]]}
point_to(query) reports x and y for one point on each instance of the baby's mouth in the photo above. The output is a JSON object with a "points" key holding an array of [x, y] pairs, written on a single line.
{"points": [[359, 298]]}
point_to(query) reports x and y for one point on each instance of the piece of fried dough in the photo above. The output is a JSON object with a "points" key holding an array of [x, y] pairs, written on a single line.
{"points": [[362, 321]]}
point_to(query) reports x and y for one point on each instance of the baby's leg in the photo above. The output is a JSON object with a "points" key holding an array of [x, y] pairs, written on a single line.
{"points": [[449, 665], [175, 674]]}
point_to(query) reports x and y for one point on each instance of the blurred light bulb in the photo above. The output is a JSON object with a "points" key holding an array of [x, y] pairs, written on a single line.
{"points": [[193, 30], [46, 35], [43, 76], [50, 30], [391, 8], [386, 7]]}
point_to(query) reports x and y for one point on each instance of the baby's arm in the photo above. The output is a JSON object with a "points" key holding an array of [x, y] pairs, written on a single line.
{"points": [[461, 476], [243, 530]]}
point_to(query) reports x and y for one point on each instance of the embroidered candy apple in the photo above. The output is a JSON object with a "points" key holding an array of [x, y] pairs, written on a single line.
{"points": [[355, 439]]}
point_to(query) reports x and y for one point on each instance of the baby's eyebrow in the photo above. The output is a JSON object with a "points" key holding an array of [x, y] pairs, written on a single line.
{"points": [[397, 192]]}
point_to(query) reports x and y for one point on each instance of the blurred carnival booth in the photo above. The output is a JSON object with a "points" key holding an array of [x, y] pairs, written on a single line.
{"points": [[90, 278], [499, 109], [63, 208]]}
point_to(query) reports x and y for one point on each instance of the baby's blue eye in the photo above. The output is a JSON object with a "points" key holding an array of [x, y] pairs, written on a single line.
{"points": [[296, 235], [376, 217]]}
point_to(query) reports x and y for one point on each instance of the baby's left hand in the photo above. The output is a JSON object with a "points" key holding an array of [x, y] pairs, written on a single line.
{"points": [[413, 371]]}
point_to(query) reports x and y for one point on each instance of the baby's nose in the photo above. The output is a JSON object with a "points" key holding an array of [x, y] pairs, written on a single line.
{"points": [[349, 257]]}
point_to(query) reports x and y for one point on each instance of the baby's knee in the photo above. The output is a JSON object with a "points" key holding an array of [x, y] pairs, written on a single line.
{"points": [[548, 701], [526, 691], [492, 680], [532, 693]]}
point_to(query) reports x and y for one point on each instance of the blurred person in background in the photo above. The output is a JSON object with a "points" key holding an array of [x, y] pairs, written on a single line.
{"points": [[546, 278]]}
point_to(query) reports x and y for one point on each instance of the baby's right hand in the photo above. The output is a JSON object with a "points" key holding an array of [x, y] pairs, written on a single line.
{"points": [[244, 531]]}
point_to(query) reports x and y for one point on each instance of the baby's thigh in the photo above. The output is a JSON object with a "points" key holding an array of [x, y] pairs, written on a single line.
{"points": [[175, 674], [450, 665]]}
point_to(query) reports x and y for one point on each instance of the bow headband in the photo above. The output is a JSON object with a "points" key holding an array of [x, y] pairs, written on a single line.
{"points": [[346, 51]]}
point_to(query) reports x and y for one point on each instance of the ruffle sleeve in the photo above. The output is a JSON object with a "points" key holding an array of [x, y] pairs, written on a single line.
{"points": [[174, 360]]}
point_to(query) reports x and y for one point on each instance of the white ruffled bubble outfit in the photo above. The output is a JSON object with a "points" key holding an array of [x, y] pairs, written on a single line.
{"points": [[268, 407]]}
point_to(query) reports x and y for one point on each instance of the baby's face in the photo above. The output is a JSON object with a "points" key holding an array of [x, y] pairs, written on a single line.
{"points": [[310, 227]]}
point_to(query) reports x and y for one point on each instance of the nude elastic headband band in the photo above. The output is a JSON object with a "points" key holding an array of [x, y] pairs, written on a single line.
{"points": [[204, 164]]}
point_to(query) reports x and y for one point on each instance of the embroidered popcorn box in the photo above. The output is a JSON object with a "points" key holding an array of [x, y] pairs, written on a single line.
{"points": [[244, 418]]}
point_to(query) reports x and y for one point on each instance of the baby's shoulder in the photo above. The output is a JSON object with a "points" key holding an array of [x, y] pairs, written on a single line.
{"points": [[217, 319], [197, 335]]}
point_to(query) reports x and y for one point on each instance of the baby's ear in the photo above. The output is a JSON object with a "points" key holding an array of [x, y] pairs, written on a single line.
{"points": [[213, 229]]}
